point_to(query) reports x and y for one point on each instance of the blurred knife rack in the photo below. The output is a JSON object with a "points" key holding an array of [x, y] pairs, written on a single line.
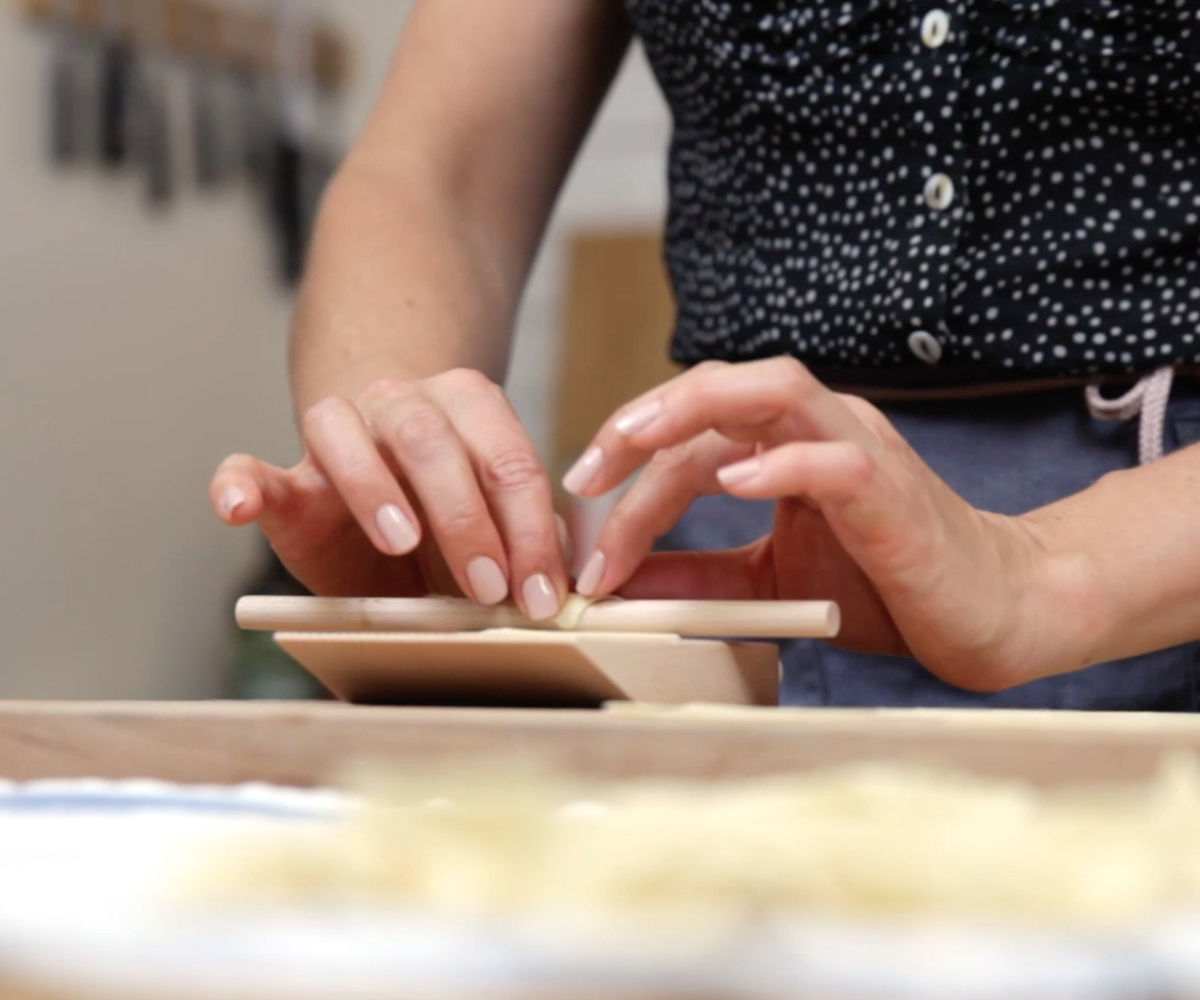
{"points": [[288, 69], [243, 40]]}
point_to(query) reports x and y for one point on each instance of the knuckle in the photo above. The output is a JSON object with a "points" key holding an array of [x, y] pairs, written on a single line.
{"points": [[795, 374], [459, 518], [512, 470], [380, 389], [879, 424], [861, 465], [418, 432], [535, 545], [681, 458], [466, 380], [358, 477], [864, 409], [317, 416], [672, 465]]}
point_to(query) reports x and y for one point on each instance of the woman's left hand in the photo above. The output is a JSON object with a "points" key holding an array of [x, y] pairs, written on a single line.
{"points": [[860, 519]]}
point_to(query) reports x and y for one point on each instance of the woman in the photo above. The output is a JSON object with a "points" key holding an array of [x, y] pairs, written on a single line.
{"points": [[967, 213]]}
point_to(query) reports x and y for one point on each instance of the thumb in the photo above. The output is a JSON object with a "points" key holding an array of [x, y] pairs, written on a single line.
{"points": [[728, 574]]}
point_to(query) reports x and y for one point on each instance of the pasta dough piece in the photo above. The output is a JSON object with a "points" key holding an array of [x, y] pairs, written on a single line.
{"points": [[572, 611], [872, 839]]}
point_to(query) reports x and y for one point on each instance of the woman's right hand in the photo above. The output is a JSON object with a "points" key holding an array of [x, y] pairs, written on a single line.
{"points": [[415, 487]]}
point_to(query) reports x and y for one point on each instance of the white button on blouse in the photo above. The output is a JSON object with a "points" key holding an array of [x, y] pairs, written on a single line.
{"points": [[939, 192], [935, 28], [925, 346]]}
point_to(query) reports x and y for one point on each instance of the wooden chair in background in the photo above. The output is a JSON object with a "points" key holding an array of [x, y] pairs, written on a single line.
{"points": [[616, 324]]}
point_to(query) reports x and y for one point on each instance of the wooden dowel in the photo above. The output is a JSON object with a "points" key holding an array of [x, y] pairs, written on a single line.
{"points": [[743, 619], [751, 619]]}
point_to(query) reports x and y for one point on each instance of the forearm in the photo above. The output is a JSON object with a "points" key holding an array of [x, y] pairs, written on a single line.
{"points": [[398, 284], [428, 232], [1123, 560]]}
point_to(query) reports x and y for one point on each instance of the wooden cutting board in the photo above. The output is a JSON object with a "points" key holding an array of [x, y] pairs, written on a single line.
{"points": [[307, 744]]}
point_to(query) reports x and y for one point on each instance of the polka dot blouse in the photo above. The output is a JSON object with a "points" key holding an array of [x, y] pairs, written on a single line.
{"points": [[944, 192]]}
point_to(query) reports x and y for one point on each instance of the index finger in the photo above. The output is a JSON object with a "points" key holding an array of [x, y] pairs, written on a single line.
{"points": [[765, 402]]}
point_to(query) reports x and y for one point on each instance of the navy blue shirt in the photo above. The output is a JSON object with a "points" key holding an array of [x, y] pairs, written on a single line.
{"points": [[933, 193]]}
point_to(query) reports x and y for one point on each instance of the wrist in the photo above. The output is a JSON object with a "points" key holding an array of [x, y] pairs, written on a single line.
{"points": [[1063, 606]]}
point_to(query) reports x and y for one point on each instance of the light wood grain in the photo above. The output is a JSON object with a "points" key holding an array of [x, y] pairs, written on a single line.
{"points": [[307, 744], [518, 667], [617, 317]]}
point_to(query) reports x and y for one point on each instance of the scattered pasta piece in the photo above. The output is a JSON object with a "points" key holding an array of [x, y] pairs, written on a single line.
{"points": [[870, 839]]}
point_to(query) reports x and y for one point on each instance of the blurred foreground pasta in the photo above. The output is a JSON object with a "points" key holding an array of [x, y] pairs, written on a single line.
{"points": [[877, 839]]}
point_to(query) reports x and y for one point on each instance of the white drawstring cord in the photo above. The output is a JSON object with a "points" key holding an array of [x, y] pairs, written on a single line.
{"points": [[1149, 400]]}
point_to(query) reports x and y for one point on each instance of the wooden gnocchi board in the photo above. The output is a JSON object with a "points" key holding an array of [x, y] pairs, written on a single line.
{"points": [[522, 667]]}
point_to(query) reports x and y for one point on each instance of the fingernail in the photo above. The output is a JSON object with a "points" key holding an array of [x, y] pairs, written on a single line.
{"points": [[593, 572], [231, 500], [541, 600], [739, 472], [397, 529], [583, 471], [640, 418], [488, 584]]}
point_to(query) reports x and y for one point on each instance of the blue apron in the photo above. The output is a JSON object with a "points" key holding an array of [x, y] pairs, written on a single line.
{"points": [[1004, 454]]}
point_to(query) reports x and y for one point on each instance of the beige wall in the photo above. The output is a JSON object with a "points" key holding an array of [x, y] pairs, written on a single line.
{"points": [[135, 351]]}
